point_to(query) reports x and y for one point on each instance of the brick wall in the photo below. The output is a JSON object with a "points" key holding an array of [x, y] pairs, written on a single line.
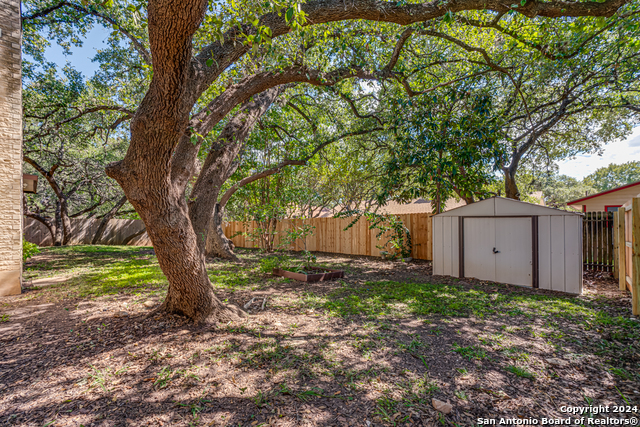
{"points": [[10, 148]]}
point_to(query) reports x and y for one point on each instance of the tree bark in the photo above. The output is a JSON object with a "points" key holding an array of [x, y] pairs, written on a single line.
{"points": [[66, 222], [58, 228], [219, 165], [105, 220], [145, 173], [510, 186], [218, 244]]}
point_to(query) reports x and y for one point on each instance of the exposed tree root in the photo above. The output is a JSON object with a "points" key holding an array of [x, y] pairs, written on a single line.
{"points": [[223, 314]]}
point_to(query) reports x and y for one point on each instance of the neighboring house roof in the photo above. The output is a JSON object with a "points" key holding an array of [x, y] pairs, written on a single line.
{"points": [[395, 208], [613, 190], [501, 206], [418, 206]]}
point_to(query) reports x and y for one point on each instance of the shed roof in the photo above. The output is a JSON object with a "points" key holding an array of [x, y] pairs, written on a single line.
{"points": [[500, 206]]}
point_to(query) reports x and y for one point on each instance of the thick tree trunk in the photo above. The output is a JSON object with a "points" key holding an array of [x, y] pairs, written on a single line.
{"points": [[59, 236], [218, 245], [165, 214], [105, 220], [219, 165], [510, 187], [145, 174], [66, 222]]}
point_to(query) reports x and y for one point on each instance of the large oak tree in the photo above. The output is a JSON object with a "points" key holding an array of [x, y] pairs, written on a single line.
{"points": [[168, 126]]}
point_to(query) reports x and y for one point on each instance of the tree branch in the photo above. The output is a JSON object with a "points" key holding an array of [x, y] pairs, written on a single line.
{"points": [[276, 169]]}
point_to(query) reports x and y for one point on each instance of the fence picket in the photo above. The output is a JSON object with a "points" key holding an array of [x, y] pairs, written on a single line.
{"points": [[597, 240], [330, 236]]}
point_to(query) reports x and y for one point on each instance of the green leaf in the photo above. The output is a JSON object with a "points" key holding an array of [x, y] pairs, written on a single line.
{"points": [[288, 16]]}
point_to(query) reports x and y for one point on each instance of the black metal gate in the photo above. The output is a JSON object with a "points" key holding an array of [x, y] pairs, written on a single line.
{"points": [[597, 241]]}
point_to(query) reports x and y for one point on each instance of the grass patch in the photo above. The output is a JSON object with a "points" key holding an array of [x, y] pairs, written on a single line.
{"points": [[521, 372], [394, 298], [471, 352]]}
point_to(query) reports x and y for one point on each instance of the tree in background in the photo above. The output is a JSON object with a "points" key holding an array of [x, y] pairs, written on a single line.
{"points": [[68, 144], [306, 127], [558, 190], [447, 145], [613, 176], [558, 104]]}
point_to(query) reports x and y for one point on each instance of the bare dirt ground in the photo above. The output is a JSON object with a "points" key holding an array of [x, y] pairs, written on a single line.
{"points": [[374, 348]]}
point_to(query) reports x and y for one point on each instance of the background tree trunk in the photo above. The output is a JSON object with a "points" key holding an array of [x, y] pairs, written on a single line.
{"points": [[105, 220], [66, 222], [133, 236], [219, 165], [219, 245], [510, 186]]}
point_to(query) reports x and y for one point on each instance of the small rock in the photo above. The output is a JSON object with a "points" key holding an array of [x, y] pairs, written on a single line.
{"points": [[149, 304], [440, 406], [560, 363]]}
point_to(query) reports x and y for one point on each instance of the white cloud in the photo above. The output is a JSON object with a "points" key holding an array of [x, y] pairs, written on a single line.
{"points": [[617, 152]]}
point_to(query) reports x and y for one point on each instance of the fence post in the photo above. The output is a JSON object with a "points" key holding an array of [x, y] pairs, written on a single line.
{"points": [[616, 244], [635, 258], [622, 251]]}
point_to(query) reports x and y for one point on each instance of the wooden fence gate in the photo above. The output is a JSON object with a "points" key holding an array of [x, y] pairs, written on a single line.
{"points": [[628, 251], [597, 241]]}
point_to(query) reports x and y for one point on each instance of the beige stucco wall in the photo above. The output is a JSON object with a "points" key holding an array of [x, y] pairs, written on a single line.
{"points": [[10, 148], [616, 198]]}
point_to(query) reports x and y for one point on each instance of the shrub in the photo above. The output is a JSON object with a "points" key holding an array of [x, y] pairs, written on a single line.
{"points": [[29, 249], [399, 238], [267, 264]]}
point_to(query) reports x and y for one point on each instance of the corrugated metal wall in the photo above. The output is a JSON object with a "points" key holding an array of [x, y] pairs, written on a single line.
{"points": [[506, 226]]}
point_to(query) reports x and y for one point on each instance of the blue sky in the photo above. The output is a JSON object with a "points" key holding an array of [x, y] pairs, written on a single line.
{"points": [[616, 152], [579, 167], [81, 56]]}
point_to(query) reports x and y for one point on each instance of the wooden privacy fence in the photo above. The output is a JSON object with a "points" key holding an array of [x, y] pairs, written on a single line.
{"points": [[627, 243], [83, 230], [330, 235], [597, 241]]}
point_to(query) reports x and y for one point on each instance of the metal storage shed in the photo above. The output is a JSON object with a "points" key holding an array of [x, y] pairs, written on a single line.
{"points": [[508, 241]]}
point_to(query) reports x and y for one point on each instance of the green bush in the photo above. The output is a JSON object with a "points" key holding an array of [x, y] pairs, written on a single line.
{"points": [[29, 249], [269, 263]]}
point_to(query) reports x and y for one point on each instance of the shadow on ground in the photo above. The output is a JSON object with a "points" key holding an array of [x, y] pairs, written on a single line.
{"points": [[373, 349]]}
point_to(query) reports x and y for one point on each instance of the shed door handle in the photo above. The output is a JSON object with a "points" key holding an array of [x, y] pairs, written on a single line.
{"points": [[495, 252]]}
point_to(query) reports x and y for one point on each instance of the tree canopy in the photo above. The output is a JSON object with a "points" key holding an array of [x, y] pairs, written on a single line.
{"points": [[614, 175]]}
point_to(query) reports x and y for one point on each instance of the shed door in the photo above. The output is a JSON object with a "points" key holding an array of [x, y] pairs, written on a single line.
{"points": [[514, 262], [479, 241]]}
